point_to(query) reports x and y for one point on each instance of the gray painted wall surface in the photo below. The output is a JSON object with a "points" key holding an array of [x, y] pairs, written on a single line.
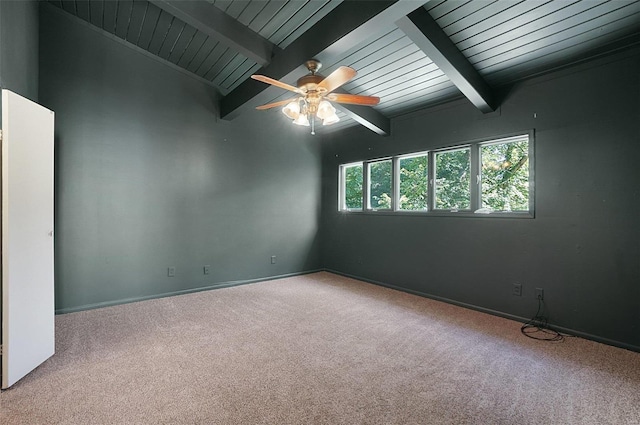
{"points": [[18, 53], [147, 177], [583, 246], [19, 48]]}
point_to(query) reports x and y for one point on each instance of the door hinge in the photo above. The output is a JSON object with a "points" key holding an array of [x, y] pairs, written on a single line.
{"points": [[0, 135]]}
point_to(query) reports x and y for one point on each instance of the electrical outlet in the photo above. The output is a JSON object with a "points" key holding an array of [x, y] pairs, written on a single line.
{"points": [[273, 259], [171, 271], [517, 289], [539, 294], [206, 269]]}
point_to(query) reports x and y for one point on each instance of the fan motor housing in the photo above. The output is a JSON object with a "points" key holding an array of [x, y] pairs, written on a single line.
{"points": [[310, 81]]}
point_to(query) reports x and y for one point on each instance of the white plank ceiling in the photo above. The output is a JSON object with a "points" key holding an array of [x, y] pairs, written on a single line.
{"points": [[504, 41]]}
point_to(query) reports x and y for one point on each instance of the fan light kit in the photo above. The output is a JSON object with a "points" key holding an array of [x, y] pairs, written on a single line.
{"points": [[315, 97]]}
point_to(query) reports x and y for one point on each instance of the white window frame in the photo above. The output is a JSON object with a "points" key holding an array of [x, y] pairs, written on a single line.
{"points": [[475, 186], [396, 181], [367, 182], [529, 138], [342, 186], [432, 178]]}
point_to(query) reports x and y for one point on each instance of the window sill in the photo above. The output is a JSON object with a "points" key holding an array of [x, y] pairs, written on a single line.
{"points": [[467, 214]]}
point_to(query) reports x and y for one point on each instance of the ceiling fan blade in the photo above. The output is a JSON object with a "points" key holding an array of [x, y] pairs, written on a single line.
{"points": [[354, 99], [337, 78], [276, 83], [275, 104]]}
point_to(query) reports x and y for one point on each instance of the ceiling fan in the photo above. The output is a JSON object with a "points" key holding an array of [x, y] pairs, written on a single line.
{"points": [[314, 93]]}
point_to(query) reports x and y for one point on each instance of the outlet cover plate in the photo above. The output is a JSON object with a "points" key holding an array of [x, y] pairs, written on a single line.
{"points": [[517, 289]]}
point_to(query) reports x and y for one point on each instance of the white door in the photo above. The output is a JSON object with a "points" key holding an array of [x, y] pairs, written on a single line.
{"points": [[27, 236]]}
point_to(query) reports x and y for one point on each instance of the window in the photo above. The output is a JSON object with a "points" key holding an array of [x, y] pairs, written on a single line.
{"points": [[488, 177], [380, 185], [452, 184], [413, 176], [351, 186], [505, 175]]}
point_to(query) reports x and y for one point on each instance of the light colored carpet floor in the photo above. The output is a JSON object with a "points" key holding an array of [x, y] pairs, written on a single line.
{"points": [[317, 349]]}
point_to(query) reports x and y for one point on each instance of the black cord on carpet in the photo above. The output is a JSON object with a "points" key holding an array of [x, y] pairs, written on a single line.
{"points": [[538, 327]]}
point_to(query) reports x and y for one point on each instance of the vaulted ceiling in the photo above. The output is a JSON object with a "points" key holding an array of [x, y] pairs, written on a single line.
{"points": [[410, 53]]}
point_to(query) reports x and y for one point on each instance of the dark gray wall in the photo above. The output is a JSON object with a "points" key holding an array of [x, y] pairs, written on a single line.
{"points": [[19, 47], [582, 248], [148, 177], [18, 53]]}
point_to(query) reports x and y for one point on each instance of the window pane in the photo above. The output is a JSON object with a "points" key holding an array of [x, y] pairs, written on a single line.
{"points": [[380, 185], [453, 180], [505, 176], [413, 183], [353, 177]]}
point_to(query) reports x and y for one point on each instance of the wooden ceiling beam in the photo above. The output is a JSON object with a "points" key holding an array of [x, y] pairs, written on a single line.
{"points": [[425, 32], [221, 27], [366, 116]]}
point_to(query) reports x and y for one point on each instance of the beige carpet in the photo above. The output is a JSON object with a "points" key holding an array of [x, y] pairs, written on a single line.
{"points": [[317, 349]]}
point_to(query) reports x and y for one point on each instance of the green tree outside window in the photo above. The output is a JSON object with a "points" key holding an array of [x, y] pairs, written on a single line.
{"points": [[353, 186], [413, 183], [505, 176], [380, 184], [453, 179]]}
